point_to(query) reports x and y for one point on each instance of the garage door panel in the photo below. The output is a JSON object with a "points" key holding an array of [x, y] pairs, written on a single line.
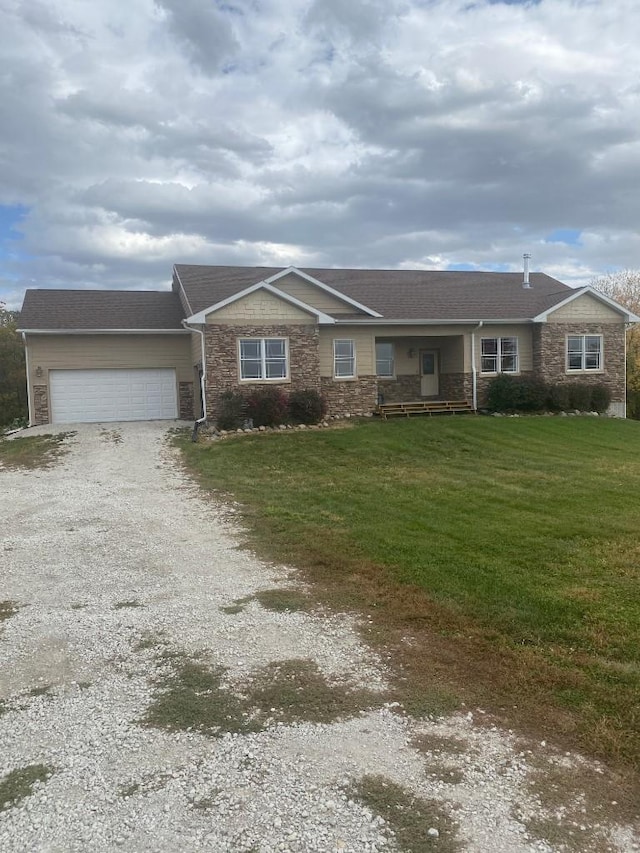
{"points": [[86, 396]]}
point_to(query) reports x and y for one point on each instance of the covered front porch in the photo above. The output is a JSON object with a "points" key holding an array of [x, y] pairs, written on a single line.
{"points": [[423, 373]]}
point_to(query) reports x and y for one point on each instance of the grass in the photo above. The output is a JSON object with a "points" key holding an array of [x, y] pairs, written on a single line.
{"points": [[193, 696], [34, 451], [496, 559], [283, 600], [19, 783], [8, 609], [409, 817]]}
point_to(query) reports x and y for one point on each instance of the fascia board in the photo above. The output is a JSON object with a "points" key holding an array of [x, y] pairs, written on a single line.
{"points": [[102, 331], [431, 322], [327, 288], [323, 319], [184, 292]]}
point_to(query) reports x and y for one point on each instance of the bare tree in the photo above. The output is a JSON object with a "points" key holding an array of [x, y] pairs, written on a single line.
{"points": [[624, 287]]}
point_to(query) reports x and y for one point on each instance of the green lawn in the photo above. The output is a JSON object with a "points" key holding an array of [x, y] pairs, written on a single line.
{"points": [[520, 533]]}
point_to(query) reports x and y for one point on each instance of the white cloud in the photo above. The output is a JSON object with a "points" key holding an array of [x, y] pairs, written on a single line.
{"points": [[378, 132]]}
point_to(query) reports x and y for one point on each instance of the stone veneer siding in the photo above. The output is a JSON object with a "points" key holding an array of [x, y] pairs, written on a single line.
{"points": [[456, 386], [550, 356], [221, 346], [402, 389], [350, 396], [40, 405], [185, 401]]}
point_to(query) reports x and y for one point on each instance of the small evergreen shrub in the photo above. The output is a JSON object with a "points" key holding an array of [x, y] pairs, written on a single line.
{"points": [[232, 410], [307, 406], [559, 397], [517, 394], [600, 398], [267, 406], [579, 396]]}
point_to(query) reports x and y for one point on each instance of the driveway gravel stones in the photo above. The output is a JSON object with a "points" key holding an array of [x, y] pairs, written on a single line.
{"points": [[114, 561]]}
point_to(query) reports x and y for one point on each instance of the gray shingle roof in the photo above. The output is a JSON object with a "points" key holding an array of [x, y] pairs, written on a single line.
{"points": [[100, 309], [396, 294]]}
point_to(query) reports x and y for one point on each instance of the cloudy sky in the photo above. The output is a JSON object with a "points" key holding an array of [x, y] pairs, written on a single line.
{"points": [[388, 133]]}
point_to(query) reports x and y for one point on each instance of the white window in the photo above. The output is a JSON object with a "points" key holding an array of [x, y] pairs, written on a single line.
{"points": [[263, 358], [384, 359], [499, 355], [344, 359], [584, 352]]}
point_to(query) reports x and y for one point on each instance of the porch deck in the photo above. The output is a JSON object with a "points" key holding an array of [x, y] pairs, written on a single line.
{"points": [[425, 407]]}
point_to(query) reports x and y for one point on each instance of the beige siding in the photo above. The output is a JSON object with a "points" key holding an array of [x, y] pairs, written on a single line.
{"points": [[364, 339], [196, 348], [525, 343], [312, 295], [585, 309], [50, 352], [263, 307]]}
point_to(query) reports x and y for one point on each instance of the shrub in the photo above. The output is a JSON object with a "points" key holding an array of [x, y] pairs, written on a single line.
{"points": [[267, 406], [579, 396], [513, 394], [600, 398], [232, 410], [559, 397], [307, 406]]}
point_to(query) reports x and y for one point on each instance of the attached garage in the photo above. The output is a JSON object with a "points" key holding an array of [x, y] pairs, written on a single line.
{"points": [[88, 396], [107, 355]]}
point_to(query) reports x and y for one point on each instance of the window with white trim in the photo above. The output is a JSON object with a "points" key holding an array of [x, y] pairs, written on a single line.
{"points": [[384, 359], [263, 359], [499, 355], [584, 352], [344, 359]]}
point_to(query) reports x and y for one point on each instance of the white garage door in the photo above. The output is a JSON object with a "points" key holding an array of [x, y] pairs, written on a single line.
{"points": [[87, 396]]}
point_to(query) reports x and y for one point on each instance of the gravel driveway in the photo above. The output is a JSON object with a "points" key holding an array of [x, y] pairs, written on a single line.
{"points": [[114, 558]]}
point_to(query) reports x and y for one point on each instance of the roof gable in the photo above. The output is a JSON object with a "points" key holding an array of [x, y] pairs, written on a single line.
{"points": [[348, 301], [627, 315], [201, 316]]}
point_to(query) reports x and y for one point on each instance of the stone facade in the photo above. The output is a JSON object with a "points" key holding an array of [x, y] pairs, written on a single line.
{"points": [[402, 389], [221, 345], [185, 401], [40, 405], [350, 397], [550, 355], [455, 386]]}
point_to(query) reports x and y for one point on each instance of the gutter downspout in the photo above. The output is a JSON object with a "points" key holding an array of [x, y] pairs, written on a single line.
{"points": [[203, 380], [474, 371], [26, 367]]}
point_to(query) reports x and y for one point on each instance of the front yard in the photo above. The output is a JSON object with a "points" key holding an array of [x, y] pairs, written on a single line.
{"points": [[497, 559]]}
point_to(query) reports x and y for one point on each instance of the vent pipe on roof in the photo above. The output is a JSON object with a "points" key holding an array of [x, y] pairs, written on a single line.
{"points": [[526, 258]]}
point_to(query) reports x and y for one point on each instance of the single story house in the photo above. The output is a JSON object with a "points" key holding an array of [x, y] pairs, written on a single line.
{"points": [[357, 336]]}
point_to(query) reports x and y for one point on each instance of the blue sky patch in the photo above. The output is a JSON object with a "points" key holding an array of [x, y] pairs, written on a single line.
{"points": [[569, 236]]}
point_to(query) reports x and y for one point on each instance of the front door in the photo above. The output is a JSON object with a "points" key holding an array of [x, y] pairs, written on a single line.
{"points": [[429, 384]]}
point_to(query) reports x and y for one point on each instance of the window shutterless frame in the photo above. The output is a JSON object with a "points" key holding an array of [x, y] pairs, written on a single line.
{"points": [[263, 359], [344, 359], [584, 353], [385, 366], [499, 355]]}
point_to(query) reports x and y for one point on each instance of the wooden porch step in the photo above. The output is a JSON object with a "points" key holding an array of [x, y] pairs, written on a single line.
{"points": [[424, 407]]}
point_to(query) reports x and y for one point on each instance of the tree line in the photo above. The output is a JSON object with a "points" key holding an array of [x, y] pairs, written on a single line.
{"points": [[13, 380]]}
